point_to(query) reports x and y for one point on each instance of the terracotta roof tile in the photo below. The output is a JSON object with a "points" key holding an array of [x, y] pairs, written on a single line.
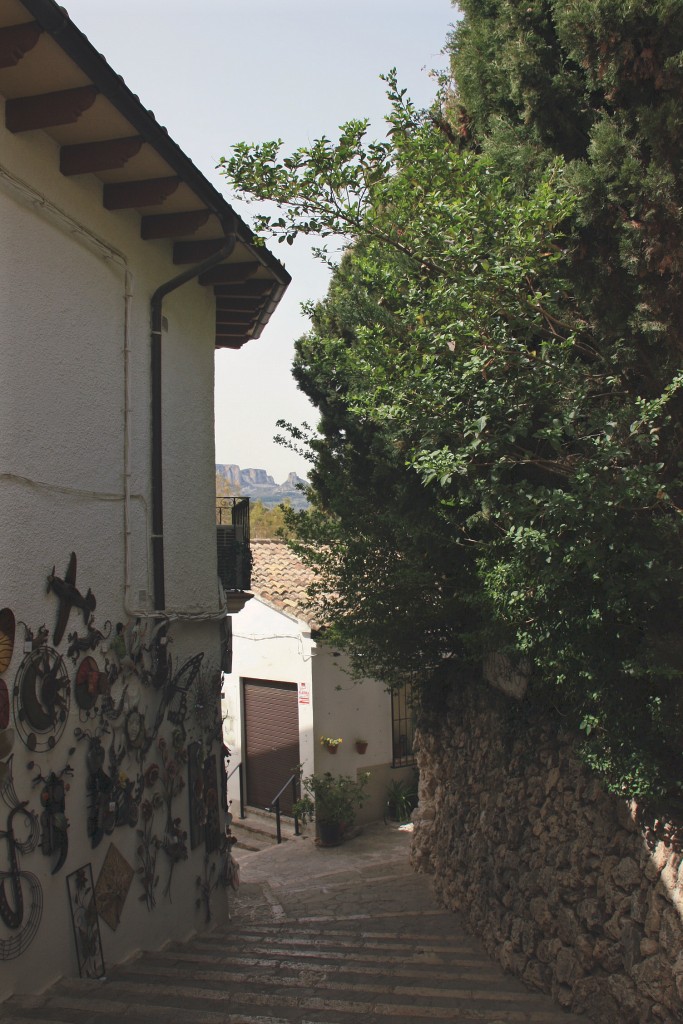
{"points": [[279, 577]]}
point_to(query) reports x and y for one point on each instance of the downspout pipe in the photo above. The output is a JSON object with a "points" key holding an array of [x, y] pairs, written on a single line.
{"points": [[158, 567]]}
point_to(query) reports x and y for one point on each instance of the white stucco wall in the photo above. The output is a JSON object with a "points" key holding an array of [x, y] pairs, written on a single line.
{"points": [[268, 644], [272, 646], [74, 306]]}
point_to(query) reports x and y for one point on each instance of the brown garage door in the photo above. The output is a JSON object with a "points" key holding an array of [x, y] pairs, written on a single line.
{"points": [[271, 725]]}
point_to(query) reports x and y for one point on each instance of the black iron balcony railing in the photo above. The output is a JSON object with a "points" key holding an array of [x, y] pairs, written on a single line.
{"points": [[234, 553]]}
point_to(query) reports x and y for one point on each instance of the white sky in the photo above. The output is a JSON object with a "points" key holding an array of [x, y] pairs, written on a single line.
{"points": [[216, 72]]}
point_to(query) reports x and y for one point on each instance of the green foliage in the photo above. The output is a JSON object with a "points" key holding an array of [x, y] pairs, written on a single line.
{"points": [[498, 465], [331, 799], [401, 798]]}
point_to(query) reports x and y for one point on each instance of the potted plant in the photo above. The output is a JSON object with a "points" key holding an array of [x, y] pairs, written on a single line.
{"points": [[401, 799], [361, 746], [333, 801], [330, 743]]}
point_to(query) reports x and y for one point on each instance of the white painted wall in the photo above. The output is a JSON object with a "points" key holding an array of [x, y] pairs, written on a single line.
{"points": [[269, 644], [74, 309]]}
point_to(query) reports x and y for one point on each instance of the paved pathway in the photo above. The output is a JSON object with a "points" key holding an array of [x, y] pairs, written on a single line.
{"points": [[317, 936]]}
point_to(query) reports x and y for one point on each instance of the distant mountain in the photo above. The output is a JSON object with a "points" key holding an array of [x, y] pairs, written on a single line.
{"points": [[259, 485]]}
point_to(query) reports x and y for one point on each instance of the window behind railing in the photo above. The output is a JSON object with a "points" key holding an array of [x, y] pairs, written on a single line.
{"points": [[402, 727], [232, 543]]}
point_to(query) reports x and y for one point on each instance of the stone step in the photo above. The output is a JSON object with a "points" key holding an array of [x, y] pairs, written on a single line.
{"points": [[258, 830]]}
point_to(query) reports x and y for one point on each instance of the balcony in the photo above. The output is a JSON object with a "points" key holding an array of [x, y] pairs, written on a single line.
{"points": [[234, 553]]}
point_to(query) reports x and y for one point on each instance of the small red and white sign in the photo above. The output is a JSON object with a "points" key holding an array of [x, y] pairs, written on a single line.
{"points": [[304, 695]]}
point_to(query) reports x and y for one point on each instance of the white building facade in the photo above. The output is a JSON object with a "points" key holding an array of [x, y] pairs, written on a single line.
{"points": [[122, 271]]}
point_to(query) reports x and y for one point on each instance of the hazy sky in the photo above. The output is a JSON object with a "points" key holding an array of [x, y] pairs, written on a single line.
{"points": [[216, 72]]}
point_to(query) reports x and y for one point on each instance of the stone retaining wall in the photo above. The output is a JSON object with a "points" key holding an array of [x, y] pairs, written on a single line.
{"points": [[552, 873]]}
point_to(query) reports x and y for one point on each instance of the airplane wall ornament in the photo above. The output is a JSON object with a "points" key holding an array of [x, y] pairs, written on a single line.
{"points": [[69, 597]]}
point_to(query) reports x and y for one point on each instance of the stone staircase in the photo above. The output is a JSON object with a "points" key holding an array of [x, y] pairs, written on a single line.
{"points": [[347, 935], [258, 831], [395, 970]]}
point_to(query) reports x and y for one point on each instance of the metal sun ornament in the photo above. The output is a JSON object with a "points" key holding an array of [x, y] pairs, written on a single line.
{"points": [[41, 694]]}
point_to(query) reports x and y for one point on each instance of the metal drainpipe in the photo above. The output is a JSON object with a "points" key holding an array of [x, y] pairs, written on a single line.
{"points": [[157, 464]]}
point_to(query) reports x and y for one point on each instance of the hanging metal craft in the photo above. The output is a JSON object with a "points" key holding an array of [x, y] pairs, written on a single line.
{"points": [[21, 896], [85, 923], [205, 703], [179, 688], [113, 884], [6, 747], [4, 705], [174, 840], [41, 694], [90, 685], [212, 826], [206, 886], [148, 846], [89, 642], [53, 821], [195, 789], [7, 631], [69, 597]]}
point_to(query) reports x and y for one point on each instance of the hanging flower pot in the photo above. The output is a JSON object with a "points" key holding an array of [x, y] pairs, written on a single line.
{"points": [[331, 748], [361, 746], [330, 743]]}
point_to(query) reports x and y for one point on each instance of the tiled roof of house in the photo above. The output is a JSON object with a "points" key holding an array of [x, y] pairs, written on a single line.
{"points": [[279, 577]]}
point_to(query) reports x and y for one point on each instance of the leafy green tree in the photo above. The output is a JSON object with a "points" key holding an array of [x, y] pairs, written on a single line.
{"points": [[485, 476]]}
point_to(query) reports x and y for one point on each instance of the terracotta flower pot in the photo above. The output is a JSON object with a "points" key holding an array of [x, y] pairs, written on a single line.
{"points": [[332, 749], [361, 746]]}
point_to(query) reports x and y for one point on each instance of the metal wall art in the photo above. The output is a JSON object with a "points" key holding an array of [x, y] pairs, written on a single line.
{"points": [[21, 895], [195, 789], [89, 642], [85, 923], [174, 703], [148, 849], [90, 685], [205, 703], [54, 838], [41, 694], [7, 631], [4, 705], [174, 840], [69, 597], [6, 747], [113, 884], [212, 827]]}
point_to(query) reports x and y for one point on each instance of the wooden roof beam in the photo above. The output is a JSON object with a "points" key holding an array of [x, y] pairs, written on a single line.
{"points": [[195, 252], [169, 225], [229, 273], [227, 317], [90, 157], [27, 113], [245, 290], [229, 342], [130, 195], [229, 305], [16, 41]]}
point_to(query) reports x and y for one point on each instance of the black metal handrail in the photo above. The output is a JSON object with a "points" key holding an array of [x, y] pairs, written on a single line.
{"points": [[238, 768], [274, 805]]}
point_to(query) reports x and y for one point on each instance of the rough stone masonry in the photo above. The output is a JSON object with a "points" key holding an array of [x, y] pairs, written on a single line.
{"points": [[563, 886]]}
